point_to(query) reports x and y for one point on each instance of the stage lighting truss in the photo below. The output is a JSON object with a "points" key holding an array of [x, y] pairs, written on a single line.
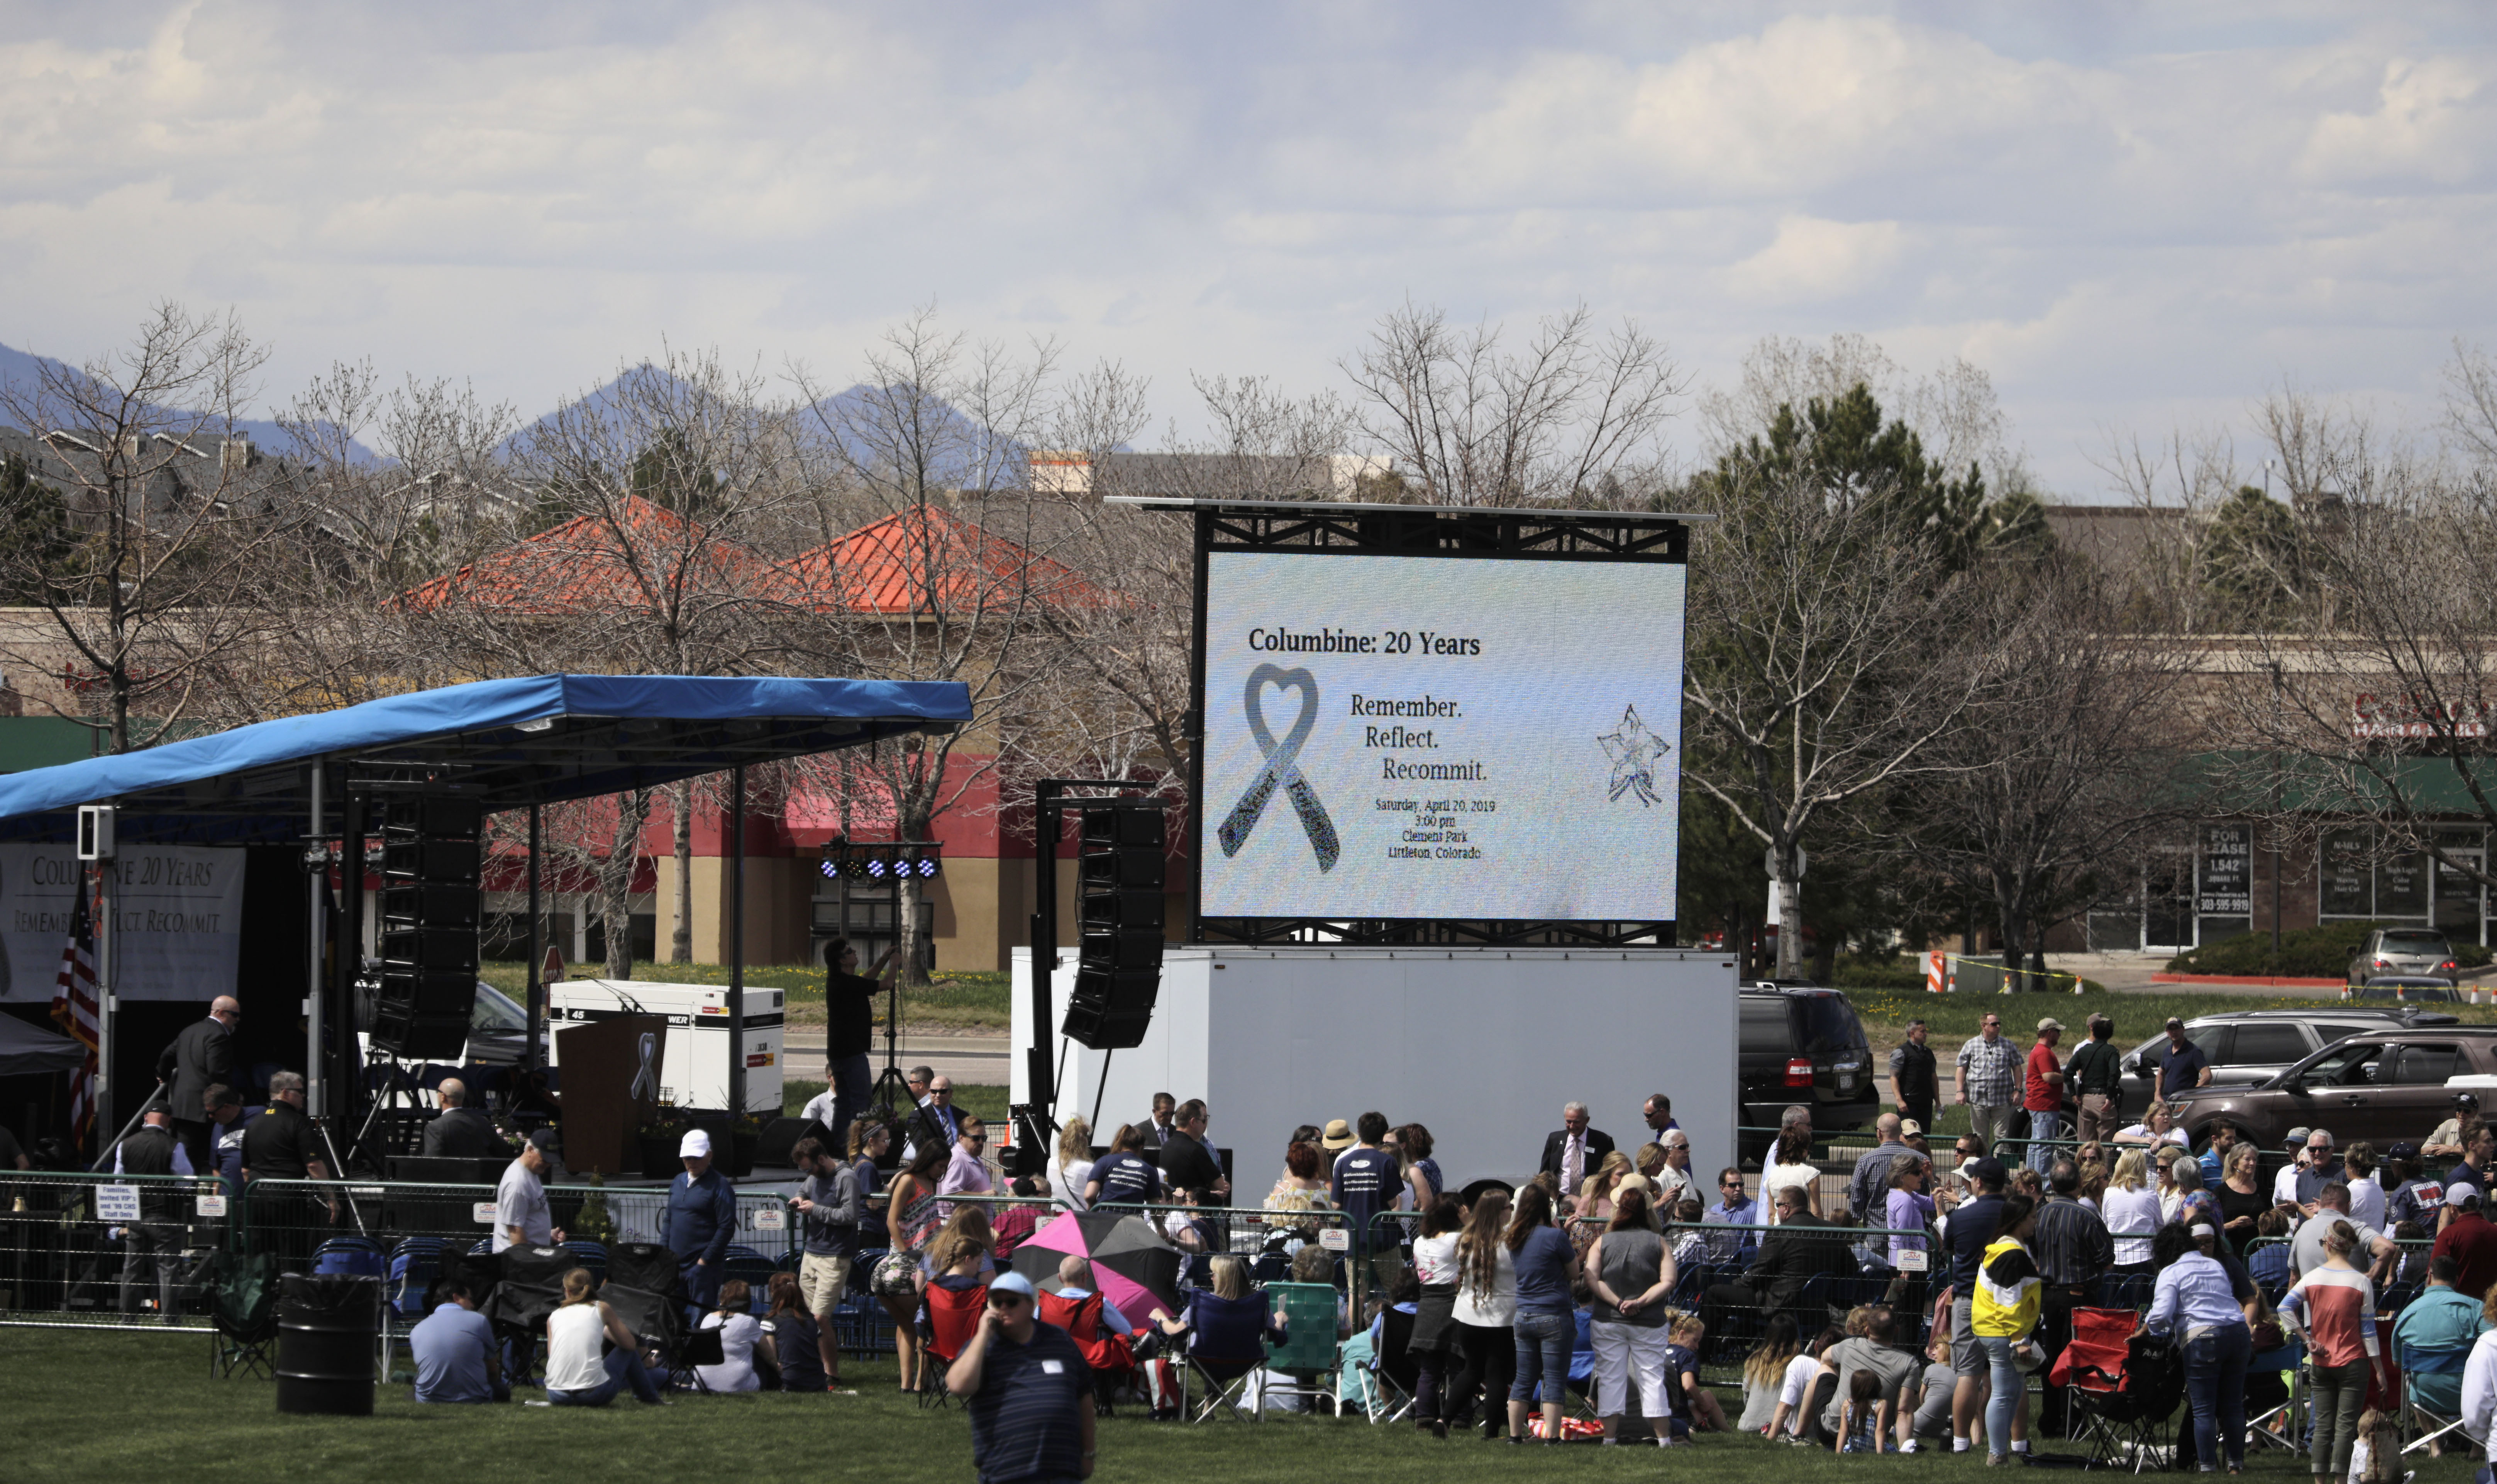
{"points": [[883, 863]]}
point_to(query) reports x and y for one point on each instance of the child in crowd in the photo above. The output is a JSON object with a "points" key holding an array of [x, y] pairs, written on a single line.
{"points": [[1699, 1407], [1933, 1416], [1865, 1422]]}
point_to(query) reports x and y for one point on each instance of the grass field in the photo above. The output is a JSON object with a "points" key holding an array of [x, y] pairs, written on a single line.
{"points": [[112, 1406]]}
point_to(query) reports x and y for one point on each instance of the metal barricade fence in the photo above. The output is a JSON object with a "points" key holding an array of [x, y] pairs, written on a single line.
{"points": [[292, 1219], [115, 1252]]}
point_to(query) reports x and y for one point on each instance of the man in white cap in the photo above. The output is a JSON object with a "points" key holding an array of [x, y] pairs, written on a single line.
{"points": [[700, 1219]]}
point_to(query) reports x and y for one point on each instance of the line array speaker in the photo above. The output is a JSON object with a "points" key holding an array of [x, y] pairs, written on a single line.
{"points": [[432, 854], [1119, 917]]}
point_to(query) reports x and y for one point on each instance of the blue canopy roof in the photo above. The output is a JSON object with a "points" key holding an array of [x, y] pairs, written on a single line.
{"points": [[535, 739]]}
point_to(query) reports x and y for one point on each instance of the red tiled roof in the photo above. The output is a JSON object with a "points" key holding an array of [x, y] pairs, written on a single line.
{"points": [[588, 564], [925, 560]]}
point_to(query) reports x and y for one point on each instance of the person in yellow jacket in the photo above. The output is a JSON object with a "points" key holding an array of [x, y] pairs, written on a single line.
{"points": [[2003, 1312]]}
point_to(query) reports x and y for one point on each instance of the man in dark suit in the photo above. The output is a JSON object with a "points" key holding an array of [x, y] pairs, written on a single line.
{"points": [[460, 1131], [1803, 1246], [1158, 1129], [1574, 1152], [937, 1121], [201, 1058]]}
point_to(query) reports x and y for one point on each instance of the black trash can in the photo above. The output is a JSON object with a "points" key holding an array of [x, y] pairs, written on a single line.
{"points": [[328, 1331]]}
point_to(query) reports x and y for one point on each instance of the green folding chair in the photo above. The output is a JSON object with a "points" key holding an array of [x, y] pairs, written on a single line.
{"points": [[1304, 1364]]}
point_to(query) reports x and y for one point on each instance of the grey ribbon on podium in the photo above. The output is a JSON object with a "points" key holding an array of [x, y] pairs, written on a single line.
{"points": [[1282, 768], [646, 1081]]}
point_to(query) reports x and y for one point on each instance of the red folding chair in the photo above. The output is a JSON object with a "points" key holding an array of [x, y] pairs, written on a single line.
{"points": [[2122, 1394], [952, 1318]]}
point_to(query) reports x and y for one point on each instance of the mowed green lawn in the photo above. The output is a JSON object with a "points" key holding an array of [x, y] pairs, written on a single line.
{"points": [[115, 1406]]}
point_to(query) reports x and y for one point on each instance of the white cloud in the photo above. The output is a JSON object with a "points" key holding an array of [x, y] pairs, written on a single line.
{"points": [[1812, 259], [2424, 127], [2088, 205]]}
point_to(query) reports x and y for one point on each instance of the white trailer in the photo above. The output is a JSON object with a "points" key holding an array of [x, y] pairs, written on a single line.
{"points": [[1482, 1046], [693, 1070]]}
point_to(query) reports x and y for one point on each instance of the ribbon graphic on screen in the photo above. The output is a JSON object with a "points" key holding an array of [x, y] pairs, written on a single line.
{"points": [[1282, 768], [646, 1081]]}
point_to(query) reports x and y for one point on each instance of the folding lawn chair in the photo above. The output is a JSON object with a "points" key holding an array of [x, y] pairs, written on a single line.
{"points": [[952, 1318], [531, 1288], [1390, 1379], [2431, 1391], [1304, 1364], [2276, 1426], [744, 1262], [2124, 1387], [643, 1288], [591, 1255], [243, 1312], [1226, 1345]]}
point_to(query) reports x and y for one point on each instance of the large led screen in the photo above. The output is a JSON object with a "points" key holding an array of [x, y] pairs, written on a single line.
{"points": [[1405, 737]]}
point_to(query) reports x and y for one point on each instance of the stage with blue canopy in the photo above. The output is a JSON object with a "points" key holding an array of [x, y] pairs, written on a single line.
{"points": [[309, 781], [510, 744]]}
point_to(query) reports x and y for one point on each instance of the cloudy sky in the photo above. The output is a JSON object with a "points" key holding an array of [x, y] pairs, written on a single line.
{"points": [[2130, 215]]}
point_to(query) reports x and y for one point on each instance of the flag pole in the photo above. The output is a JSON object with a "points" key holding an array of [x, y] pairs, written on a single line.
{"points": [[106, 1007]]}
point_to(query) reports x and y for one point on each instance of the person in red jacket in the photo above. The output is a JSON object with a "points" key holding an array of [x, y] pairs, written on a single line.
{"points": [[2470, 1240], [1095, 1325]]}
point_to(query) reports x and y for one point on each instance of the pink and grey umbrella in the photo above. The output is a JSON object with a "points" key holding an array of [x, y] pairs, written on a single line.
{"points": [[1133, 1266]]}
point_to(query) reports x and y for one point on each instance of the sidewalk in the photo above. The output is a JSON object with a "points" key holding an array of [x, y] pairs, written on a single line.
{"points": [[974, 1061]]}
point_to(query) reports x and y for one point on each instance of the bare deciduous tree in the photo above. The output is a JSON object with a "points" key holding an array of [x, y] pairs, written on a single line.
{"points": [[2064, 765], [143, 523], [943, 581], [1572, 418], [1822, 665]]}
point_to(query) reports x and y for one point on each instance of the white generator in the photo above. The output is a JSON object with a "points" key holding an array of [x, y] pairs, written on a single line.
{"points": [[693, 1068]]}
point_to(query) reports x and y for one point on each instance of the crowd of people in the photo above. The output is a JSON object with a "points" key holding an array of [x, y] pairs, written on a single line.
{"points": [[1961, 1269]]}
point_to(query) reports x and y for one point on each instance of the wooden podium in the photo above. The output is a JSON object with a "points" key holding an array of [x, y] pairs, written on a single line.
{"points": [[603, 1108]]}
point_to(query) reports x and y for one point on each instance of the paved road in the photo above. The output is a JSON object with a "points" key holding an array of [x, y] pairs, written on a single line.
{"points": [[977, 1060]]}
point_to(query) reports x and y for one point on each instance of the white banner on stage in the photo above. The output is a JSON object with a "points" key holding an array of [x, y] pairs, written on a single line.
{"points": [[177, 915]]}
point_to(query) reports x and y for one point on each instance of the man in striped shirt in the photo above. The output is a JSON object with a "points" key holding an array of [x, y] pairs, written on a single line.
{"points": [[1029, 1389]]}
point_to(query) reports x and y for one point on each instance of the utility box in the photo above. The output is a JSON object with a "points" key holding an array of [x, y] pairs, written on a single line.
{"points": [[693, 1061]]}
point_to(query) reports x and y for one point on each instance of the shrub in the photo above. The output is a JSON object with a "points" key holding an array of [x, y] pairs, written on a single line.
{"points": [[2309, 953]]}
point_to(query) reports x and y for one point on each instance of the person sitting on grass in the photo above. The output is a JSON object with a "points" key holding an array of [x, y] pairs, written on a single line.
{"points": [[575, 1375], [1866, 1418], [1699, 1410], [741, 1343], [456, 1358], [796, 1339]]}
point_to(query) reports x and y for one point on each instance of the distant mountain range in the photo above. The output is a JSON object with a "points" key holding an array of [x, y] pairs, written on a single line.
{"points": [[25, 369]]}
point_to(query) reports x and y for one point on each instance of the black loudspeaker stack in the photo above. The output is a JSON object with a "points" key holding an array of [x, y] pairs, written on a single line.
{"points": [[431, 851], [1118, 889]]}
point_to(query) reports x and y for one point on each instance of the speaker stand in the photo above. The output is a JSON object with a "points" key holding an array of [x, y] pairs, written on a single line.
{"points": [[890, 1098]]}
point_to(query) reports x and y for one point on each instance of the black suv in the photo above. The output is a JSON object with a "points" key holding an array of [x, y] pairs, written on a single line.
{"points": [[1802, 1044]]}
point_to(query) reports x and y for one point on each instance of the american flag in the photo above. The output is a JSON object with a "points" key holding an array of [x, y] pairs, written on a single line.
{"points": [[74, 1007]]}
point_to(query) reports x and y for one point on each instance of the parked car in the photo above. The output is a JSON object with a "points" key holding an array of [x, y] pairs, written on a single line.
{"points": [[2380, 1085], [1802, 1044], [2402, 953], [498, 1027], [2257, 1045]]}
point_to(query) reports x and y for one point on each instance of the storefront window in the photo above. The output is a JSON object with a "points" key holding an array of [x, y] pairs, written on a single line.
{"points": [[2348, 884], [2223, 896], [2357, 885]]}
